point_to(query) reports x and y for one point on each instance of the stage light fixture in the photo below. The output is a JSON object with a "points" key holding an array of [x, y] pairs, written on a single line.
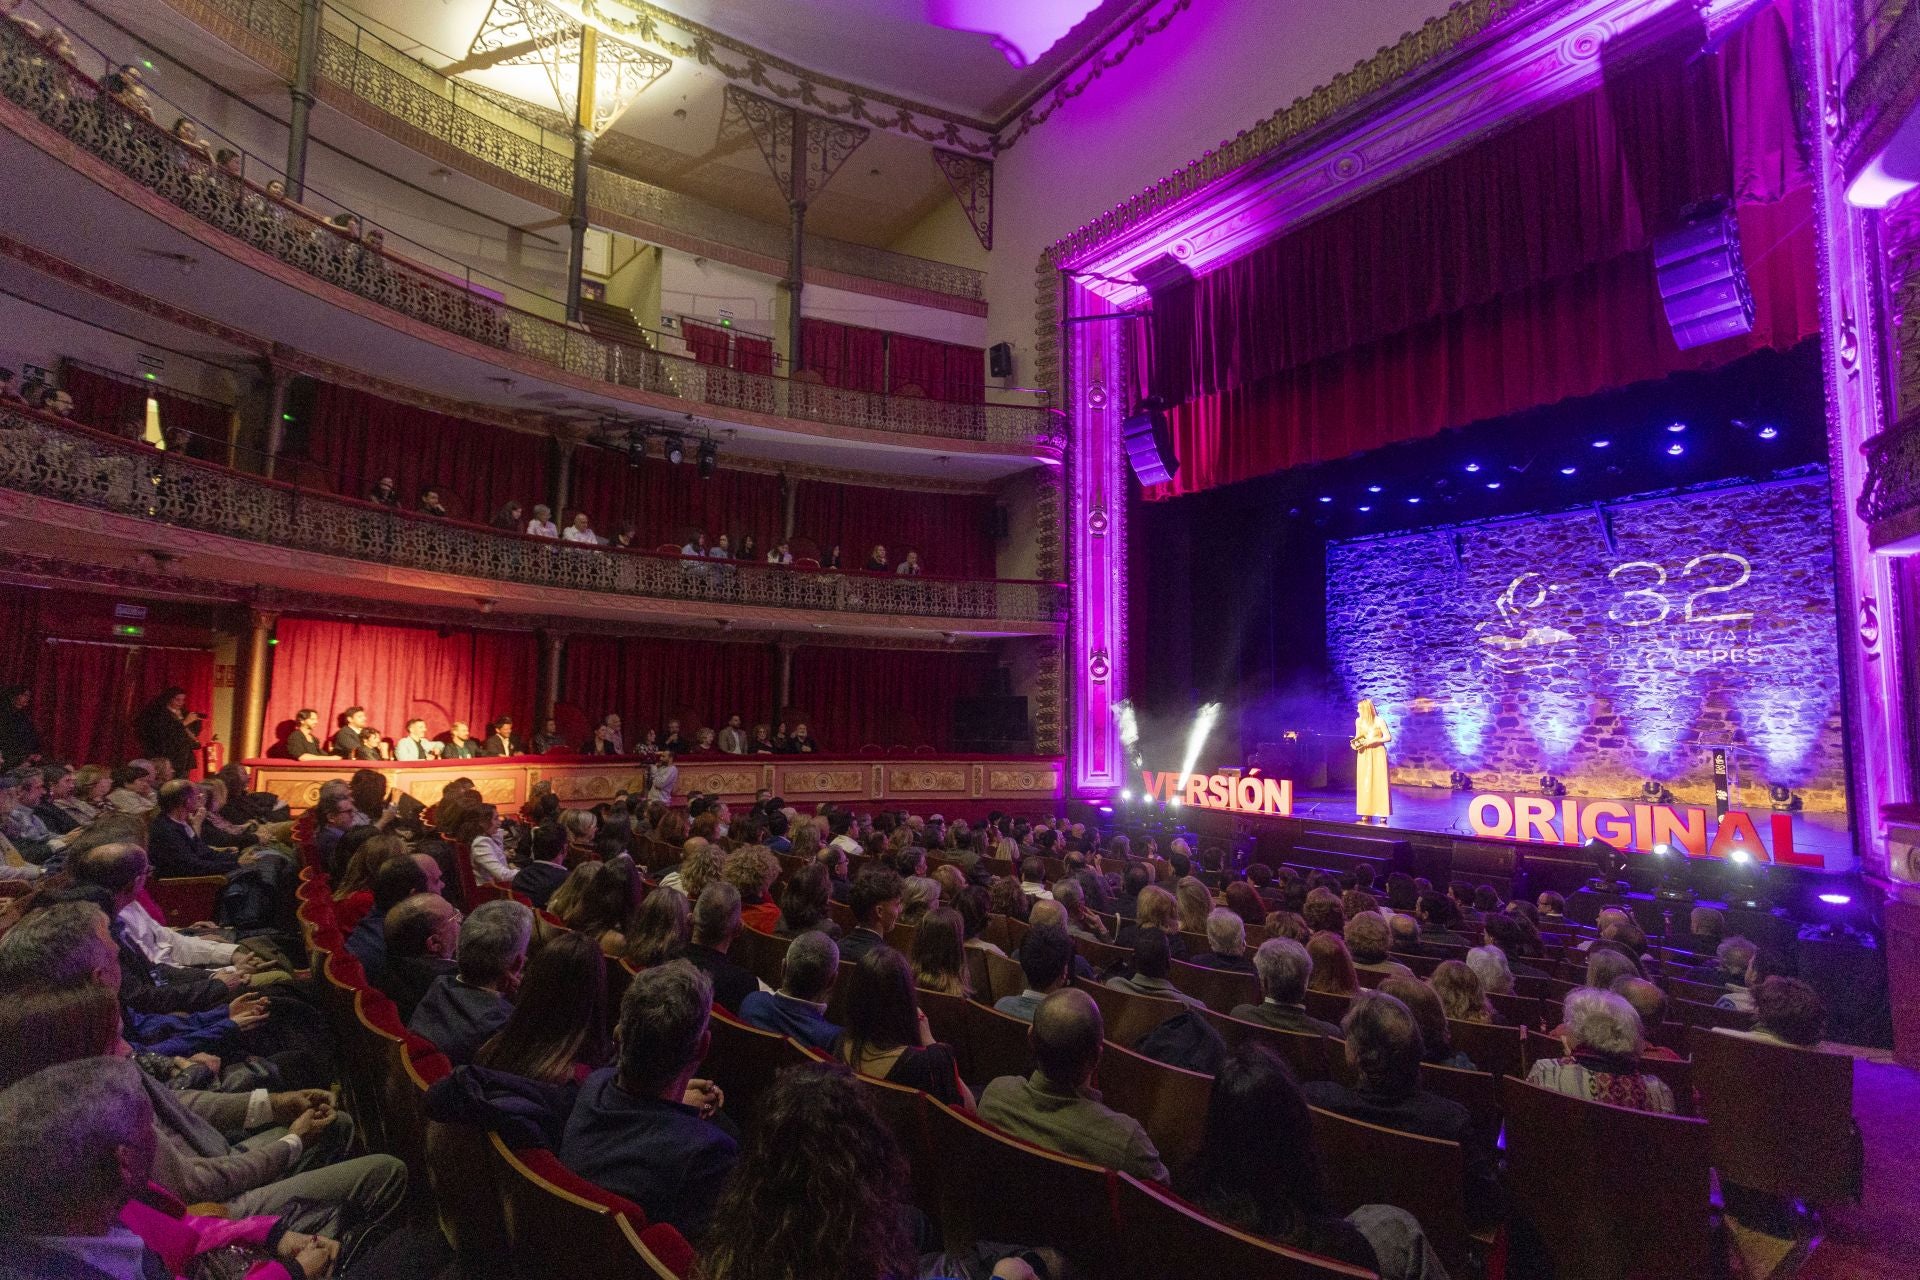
{"points": [[1567, 471], [1373, 488], [1175, 802], [1413, 502], [1783, 799], [709, 459], [1147, 438], [673, 449], [1836, 899], [1601, 444], [1365, 509], [1326, 497], [1739, 856], [1676, 427], [1769, 433], [1126, 796], [1552, 786], [1609, 865], [1655, 793], [1493, 484], [1472, 467], [1676, 449], [1663, 850], [1460, 781]]}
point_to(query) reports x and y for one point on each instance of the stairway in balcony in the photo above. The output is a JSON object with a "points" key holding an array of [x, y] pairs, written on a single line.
{"points": [[611, 323]]}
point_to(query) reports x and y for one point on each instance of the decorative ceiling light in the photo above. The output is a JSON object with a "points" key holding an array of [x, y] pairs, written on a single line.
{"points": [[524, 32], [1022, 30]]}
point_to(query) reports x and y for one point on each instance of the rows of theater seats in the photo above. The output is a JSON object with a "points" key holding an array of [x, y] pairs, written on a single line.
{"points": [[1599, 1190]]}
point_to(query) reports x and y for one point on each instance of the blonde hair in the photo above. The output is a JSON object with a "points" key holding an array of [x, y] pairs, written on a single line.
{"points": [[1154, 909], [700, 865], [751, 869], [1195, 902]]}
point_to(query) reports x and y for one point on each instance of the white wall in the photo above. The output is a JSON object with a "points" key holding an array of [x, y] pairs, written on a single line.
{"points": [[701, 287], [33, 334], [823, 303], [1221, 67]]}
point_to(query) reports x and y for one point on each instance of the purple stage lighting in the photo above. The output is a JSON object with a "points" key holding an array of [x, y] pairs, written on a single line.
{"points": [[1676, 449], [1567, 471], [1836, 899], [1676, 427], [1601, 444], [1472, 467], [1769, 433]]}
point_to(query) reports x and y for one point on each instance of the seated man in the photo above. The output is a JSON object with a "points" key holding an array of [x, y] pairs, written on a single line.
{"points": [[1787, 1012], [716, 922], [1284, 967], [461, 1011], [1033, 879], [334, 815], [422, 934], [1046, 959], [1057, 1107], [174, 843], [20, 818], [1734, 958], [393, 883], [1706, 930], [1151, 961], [798, 1009], [548, 870], [122, 869], [1384, 1048], [876, 900], [1507, 934], [1226, 943], [643, 1128], [1368, 937], [1436, 914], [133, 786]]}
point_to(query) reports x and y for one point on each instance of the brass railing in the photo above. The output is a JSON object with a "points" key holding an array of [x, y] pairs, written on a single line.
{"points": [[69, 102], [1892, 485], [422, 98], [51, 458]]}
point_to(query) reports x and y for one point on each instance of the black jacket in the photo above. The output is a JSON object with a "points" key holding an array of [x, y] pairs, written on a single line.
{"points": [[175, 850], [495, 745]]}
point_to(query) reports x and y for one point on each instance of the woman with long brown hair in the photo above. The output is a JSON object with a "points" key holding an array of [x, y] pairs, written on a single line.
{"points": [[558, 1029], [660, 929], [887, 1036], [1333, 969], [939, 953]]}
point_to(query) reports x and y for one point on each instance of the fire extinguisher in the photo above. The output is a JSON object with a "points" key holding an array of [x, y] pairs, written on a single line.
{"points": [[216, 755]]}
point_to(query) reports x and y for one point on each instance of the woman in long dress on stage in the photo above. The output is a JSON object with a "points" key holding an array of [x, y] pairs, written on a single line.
{"points": [[1370, 738]]}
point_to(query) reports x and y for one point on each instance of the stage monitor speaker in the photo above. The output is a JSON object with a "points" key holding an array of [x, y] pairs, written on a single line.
{"points": [[991, 724], [1702, 280], [1000, 359], [1148, 439]]}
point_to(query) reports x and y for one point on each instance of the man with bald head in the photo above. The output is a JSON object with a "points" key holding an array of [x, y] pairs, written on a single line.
{"points": [[422, 937], [1057, 1107]]}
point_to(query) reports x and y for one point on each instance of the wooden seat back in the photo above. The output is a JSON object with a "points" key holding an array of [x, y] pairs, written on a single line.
{"points": [[1368, 1164], [1219, 989], [743, 1061], [1169, 1103], [903, 1111], [1477, 1091], [1005, 977], [557, 1222], [1128, 1015], [1607, 1193], [947, 1018], [1307, 1055], [1168, 1237], [1495, 1049], [460, 1175], [1519, 1011], [1328, 1006], [1780, 1118], [997, 1044], [761, 954]]}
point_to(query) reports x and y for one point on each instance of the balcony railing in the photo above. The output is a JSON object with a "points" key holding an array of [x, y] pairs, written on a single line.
{"points": [[74, 105], [1890, 497], [53, 458], [361, 63]]}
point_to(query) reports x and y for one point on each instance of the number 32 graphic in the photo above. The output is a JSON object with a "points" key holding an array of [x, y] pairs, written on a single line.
{"points": [[1636, 602]]}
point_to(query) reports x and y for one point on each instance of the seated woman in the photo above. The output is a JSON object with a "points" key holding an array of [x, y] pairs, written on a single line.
{"points": [[1432, 1017], [1154, 908], [973, 903], [372, 849], [557, 1032], [1489, 964], [918, 895], [887, 1037], [1259, 1170], [803, 906], [1603, 1042], [752, 869], [660, 929], [1333, 970], [939, 953], [1461, 994], [595, 900]]}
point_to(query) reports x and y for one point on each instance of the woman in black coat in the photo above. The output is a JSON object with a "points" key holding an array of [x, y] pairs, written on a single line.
{"points": [[165, 729]]}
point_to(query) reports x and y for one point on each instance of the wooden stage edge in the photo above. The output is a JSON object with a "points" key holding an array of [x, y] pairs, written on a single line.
{"points": [[955, 786]]}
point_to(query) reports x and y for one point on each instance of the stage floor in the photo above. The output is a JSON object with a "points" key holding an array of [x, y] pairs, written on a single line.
{"points": [[1439, 809]]}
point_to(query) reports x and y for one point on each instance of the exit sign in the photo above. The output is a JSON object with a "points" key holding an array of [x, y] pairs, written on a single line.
{"points": [[128, 629]]}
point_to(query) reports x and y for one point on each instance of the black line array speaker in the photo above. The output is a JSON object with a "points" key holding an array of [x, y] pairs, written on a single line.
{"points": [[1000, 359], [1148, 439]]}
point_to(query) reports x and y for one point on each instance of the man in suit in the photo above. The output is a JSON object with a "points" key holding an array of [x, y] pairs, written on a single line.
{"points": [[643, 1129], [876, 902], [1151, 963], [461, 1011], [733, 739], [460, 745], [415, 745], [173, 841], [548, 870], [423, 933], [348, 741], [393, 884], [1436, 914], [1384, 1049], [1046, 958], [1226, 943], [500, 741], [716, 922], [1284, 967]]}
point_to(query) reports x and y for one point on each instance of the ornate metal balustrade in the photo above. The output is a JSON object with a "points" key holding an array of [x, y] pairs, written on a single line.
{"points": [[68, 102], [53, 459], [1890, 497], [412, 92]]}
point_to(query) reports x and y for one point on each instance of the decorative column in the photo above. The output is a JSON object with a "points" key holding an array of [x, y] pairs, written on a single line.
{"points": [[783, 678], [306, 56], [789, 491], [279, 379], [553, 652], [1096, 509], [250, 698], [582, 160], [562, 476]]}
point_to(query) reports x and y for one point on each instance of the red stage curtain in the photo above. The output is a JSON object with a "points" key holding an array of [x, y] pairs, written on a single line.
{"points": [[751, 354], [1581, 185], [20, 633], [396, 672], [87, 694], [666, 503], [107, 402], [1597, 329], [886, 698], [650, 680], [844, 355], [949, 530], [707, 344], [356, 438], [941, 370]]}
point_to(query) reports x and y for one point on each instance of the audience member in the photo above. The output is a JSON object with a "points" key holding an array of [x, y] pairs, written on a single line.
{"points": [[548, 870], [1148, 971], [461, 1011], [876, 902], [1368, 939], [423, 933], [1046, 960], [1284, 968], [393, 883], [1333, 970], [1602, 1036], [1787, 1011], [1460, 992], [541, 525], [805, 903], [557, 1032], [799, 1007], [887, 1036], [1226, 942], [716, 922], [752, 869], [939, 953], [644, 1128], [660, 929], [1489, 964], [1057, 1107]]}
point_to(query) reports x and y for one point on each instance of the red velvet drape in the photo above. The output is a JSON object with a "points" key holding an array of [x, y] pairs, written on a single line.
{"points": [[108, 402], [356, 438], [707, 344], [1513, 275], [951, 531], [937, 370], [87, 694], [886, 698], [751, 354], [396, 672], [648, 681], [667, 502], [844, 355]]}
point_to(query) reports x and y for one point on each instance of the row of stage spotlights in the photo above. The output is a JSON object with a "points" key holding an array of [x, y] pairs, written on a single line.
{"points": [[1171, 802], [673, 448], [1673, 448], [1780, 796]]}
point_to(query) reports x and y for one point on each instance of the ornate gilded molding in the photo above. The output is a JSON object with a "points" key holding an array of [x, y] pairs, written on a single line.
{"points": [[802, 150], [1082, 76], [971, 181]]}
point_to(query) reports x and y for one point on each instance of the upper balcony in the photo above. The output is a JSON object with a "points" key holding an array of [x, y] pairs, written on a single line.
{"points": [[1879, 142], [47, 96], [1890, 497], [71, 490]]}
